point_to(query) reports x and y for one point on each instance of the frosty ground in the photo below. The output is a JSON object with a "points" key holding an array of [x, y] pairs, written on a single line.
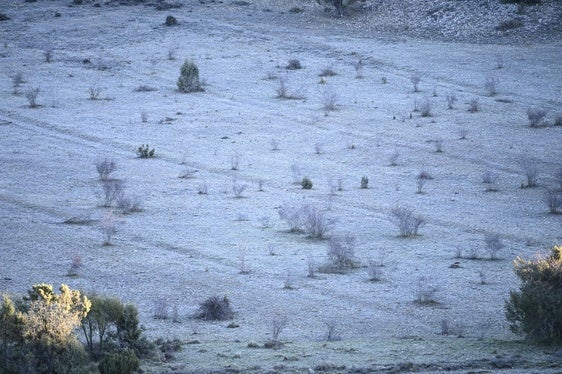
{"points": [[185, 246]]}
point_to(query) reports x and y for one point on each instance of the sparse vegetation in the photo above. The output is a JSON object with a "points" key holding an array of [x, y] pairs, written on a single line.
{"points": [[94, 93], [306, 183], [293, 64], [535, 310], [171, 21], [105, 168], [341, 253], [490, 179], [188, 80], [407, 221], [425, 109], [494, 244], [415, 79], [425, 291], [553, 199], [108, 228], [364, 183], [491, 85], [451, 100], [535, 116], [31, 96], [530, 168], [215, 308], [474, 105], [144, 151]]}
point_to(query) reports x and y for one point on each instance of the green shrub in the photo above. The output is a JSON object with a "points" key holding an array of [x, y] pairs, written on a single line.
{"points": [[536, 309], [189, 78], [171, 21], [306, 183], [215, 308], [125, 362], [144, 151]]}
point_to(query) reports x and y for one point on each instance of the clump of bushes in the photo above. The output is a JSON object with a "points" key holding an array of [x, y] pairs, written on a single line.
{"points": [[215, 308], [125, 362], [188, 80], [536, 309]]}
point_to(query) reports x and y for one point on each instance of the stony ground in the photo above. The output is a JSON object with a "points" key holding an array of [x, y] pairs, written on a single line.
{"points": [[185, 246]]}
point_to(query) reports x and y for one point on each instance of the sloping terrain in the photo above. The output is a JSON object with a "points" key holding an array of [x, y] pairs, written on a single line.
{"points": [[110, 87]]}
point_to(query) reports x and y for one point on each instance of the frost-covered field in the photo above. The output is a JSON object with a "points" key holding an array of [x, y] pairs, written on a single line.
{"points": [[186, 246]]}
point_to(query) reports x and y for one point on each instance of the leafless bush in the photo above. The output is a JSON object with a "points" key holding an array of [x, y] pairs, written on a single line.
{"points": [[463, 133], [329, 99], [421, 179], [203, 189], [415, 79], [171, 54], [494, 244], [238, 188], [482, 277], [17, 80], [451, 100], [535, 116], [242, 258], [160, 309], [318, 148], [491, 85], [297, 174], [310, 266], [145, 88], [128, 204], [111, 190], [282, 89], [293, 215], [328, 71], [48, 54], [374, 270], [215, 308], [75, 265], [474, 105], [425, 291], [108, 227], [341, 252], [438, 143], [490, 179], [553, 199], [235, 161], [407, 221], [393, 159], [332, 333], [530, 168], [274, 145], [558, 177], [358, 66], [31, 96], [144, 117], [289, 282], [105, 167], [384, 80], [425, 108], [278, 324], [94, 92], [315, 223]]}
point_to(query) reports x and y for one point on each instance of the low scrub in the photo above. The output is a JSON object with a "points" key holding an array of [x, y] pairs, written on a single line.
{"points": [[535, 310], [215, 308]]}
